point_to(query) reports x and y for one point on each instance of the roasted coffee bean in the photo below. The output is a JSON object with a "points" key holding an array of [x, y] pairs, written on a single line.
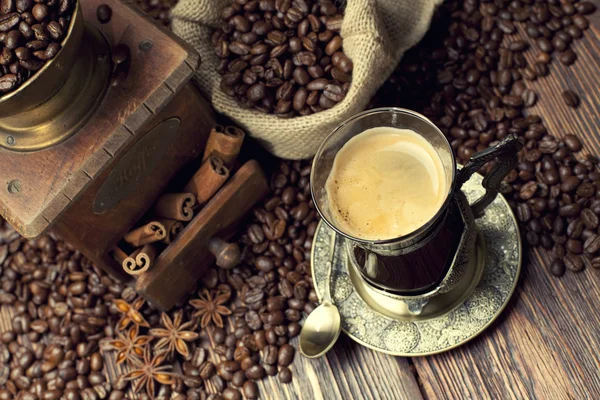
{"points": [[557, 268], [206, 370], [570, 98], [573, 262], [250, 390], [247, 362], [585, 7], [512, 101], [104, 13], [506, 26], [589, 218], [285, 355], [529, 98], [96, 362], [285, 375], [575, 246], [238, 379], [264, 264], [572, 142], [528, 190], [545, 45], [40, 12], [541, 69], [9, 21], [231, 394], [255, 372], [559, 44], [270, 370], [585, 190], [270, 354], [574, 229], [570, 184], [7, 83], [567, 57], [570, 210], [592, 244]]}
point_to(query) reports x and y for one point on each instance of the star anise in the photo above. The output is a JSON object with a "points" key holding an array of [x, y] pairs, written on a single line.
{"points": [[149, 370], [175, 334], [129, 345], [210, 307], [131, 314]]}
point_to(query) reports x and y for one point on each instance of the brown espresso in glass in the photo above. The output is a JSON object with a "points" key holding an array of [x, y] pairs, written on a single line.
{"points": [[386, 183]]}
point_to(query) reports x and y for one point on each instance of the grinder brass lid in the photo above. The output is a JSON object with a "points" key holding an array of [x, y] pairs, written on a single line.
{"points": [[46, 81]]}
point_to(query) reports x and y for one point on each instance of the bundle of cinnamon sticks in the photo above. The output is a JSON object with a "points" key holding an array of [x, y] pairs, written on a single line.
{"points": [[170, 213]]}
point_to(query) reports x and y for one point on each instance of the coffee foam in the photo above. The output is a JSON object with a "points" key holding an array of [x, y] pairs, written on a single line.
{"points": [[385, 183]]}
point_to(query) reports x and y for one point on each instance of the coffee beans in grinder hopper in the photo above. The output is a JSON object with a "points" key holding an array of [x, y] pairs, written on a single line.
{"points": [[476, 85], [31, 33], [283, 57]]}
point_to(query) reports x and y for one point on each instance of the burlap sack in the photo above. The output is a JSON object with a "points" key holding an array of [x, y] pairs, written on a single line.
{"points": [[376, 34]]}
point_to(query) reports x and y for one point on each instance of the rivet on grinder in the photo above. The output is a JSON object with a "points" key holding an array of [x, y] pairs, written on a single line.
{"points": [[14, 186], [145, 45], [10, 140]]}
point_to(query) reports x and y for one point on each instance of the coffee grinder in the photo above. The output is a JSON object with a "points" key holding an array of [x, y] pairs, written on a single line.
{"points": [[88, 159]]}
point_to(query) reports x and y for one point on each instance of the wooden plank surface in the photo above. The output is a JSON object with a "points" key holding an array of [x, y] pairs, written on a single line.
{"points": [[545, 344]]}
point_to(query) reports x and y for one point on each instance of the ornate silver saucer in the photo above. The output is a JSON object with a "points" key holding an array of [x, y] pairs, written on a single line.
{"points": [[449, 320]]}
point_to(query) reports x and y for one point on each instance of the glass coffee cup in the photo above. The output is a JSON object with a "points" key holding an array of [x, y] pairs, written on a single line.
{"points": [[431, 258]]}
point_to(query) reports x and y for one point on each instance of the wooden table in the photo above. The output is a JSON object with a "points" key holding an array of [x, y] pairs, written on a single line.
{"points": [[546, 343]]}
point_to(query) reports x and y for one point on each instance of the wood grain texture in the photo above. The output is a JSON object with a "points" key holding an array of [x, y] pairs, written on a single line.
{"points": [[544, 345]]}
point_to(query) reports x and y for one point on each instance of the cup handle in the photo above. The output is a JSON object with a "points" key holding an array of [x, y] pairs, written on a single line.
{"points": [[505, 153]]}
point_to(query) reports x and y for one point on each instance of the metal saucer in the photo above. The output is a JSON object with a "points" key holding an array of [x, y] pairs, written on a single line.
{"points": [[450, 320]]}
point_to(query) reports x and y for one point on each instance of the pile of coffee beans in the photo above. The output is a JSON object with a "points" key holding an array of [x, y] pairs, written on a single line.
{"points": [[61, 305], [158, 9], [282, 56], [31, 33], [64, 310], [471, 77]]}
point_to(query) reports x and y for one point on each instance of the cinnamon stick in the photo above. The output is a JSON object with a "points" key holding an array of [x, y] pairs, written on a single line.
{"points": [[208, 179], [129, 264], [177, 206], [172, 227], [119, 255], [145, 258], [225, 143], [149, 233]]}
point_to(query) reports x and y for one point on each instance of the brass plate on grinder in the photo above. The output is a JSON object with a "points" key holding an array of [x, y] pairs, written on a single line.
{"points": [[136, 165], [442, 326]]}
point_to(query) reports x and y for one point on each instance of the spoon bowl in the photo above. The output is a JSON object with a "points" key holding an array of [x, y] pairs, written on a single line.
{"points": [[320, 331]]}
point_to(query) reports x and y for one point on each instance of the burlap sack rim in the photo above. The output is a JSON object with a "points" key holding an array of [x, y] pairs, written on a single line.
{"points": [[296, 148]]}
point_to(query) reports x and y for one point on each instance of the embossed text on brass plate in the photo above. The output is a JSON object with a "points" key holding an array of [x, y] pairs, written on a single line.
{"points": [[137, 164]]}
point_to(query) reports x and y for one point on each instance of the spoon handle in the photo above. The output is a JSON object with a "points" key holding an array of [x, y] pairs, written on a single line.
{"points": [[327, 292]]}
